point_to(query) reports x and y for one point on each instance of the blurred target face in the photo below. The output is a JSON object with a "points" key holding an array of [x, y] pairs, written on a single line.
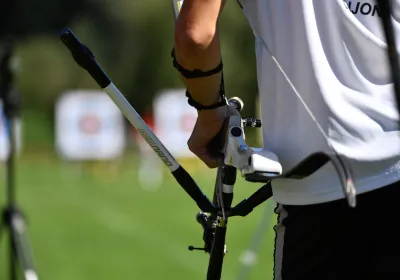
{"points": [[187, 122], [89, 124]]}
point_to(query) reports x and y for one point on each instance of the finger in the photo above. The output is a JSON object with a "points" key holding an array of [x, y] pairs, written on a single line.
{"points": [[204, 155], [210, 160], [216, 144]]}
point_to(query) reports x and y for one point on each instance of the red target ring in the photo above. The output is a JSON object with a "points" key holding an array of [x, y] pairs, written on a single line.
{"points": [[187, 122], [90, 124]]}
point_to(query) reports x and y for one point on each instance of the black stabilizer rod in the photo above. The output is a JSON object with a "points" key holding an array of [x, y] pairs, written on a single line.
{"points": [[246, 206], [217, 254], [84, 57], [190, 186]]}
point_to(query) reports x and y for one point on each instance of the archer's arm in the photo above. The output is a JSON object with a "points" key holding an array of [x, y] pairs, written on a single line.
{"points": [[197, 46]]}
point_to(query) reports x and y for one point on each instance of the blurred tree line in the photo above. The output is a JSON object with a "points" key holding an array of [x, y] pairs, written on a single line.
{"points": [[132, 41]]}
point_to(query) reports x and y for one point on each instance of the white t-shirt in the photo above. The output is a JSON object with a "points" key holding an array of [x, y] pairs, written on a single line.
{"points": [[334, 53]]}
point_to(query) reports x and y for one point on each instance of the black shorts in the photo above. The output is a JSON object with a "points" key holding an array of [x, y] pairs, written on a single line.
{"points": [[332, 241]]}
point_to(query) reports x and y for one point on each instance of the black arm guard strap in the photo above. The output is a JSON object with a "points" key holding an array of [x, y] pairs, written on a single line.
{"points": [[192, 74], [197, 73]]}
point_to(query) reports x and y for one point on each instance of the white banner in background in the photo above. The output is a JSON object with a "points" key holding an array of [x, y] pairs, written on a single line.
{"points": [[5, 137], [174, 121], [89, 126]]}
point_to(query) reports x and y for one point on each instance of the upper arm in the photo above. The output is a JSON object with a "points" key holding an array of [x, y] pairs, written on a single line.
{"points": [[198, 18], [202, 10]]}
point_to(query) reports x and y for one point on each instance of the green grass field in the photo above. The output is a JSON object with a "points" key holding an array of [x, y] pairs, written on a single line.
{"points": [[96, 222]]}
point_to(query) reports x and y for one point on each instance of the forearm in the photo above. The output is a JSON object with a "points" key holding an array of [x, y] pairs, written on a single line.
{"points": [[197, 46]]}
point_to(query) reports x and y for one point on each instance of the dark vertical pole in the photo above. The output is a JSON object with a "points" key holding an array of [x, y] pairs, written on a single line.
{"points": [[10, 107]]}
